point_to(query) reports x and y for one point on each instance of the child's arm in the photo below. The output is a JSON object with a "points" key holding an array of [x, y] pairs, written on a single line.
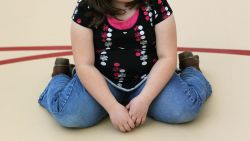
{"points": [[83, 54], [162, 71], [92, 79]]}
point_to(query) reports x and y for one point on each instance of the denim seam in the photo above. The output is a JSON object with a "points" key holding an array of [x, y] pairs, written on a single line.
{"points": [[46, 89], [198, 97], [42, 95], [68, 94], [186, 91], [208, 85]]}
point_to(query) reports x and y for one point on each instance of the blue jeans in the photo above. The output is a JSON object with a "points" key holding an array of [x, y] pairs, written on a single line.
{"points": [[180, 101]]}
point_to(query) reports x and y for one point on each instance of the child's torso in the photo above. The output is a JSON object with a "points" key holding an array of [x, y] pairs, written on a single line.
{"points": [[125, 56]]}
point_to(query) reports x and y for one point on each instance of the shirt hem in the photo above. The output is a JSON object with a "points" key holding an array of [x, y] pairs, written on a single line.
{"points": [[124, 89]]}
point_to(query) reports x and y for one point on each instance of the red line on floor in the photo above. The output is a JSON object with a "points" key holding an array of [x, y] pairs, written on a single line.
{"points": [[34, 57], [51, 55], [34, 48], [67, 47], [221, 51]]}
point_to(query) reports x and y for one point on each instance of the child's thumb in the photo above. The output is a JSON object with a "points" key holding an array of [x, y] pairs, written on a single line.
{"points": [[128, 106]]}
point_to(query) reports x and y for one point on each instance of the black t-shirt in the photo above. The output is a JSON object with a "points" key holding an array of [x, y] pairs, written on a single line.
{"points": [[125, 57]]}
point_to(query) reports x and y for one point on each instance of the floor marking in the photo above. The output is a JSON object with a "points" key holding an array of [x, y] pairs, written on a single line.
{"points": [[34, 48], [69, 52], [214, 50], [35, 57]]}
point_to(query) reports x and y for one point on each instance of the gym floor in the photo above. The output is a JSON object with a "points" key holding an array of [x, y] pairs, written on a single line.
{"points": [[34, 33]]}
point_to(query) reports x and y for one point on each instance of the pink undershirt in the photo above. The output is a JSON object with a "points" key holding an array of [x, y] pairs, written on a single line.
{"points": [[126, 24]]}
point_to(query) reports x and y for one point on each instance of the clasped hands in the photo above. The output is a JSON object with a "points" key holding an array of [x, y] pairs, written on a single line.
{"points": [[131, 116]]}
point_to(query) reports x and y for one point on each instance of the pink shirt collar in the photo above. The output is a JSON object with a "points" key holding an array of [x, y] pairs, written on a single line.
{"points": [[126, 24]]}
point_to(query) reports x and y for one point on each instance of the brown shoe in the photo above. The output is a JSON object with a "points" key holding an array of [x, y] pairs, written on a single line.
{"points": [[61, 66], [187, 59]]}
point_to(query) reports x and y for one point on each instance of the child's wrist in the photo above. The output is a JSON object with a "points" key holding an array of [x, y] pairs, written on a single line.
{"points": [[146, 98], [109, 108]]}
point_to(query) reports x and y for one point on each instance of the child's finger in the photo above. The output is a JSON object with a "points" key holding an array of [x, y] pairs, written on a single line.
{"points": [[122, 128], [143, 120], [138, 121], [131, 123], [134, 119], [128, 106]]}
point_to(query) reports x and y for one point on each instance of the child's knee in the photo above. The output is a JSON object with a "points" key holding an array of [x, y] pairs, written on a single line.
{"points": [[174, 115], [80, 119], [182, 116], [76, 121]]}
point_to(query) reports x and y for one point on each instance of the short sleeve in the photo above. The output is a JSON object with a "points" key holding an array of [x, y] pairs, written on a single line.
{"points": [[79, 15], [162, 10]]}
